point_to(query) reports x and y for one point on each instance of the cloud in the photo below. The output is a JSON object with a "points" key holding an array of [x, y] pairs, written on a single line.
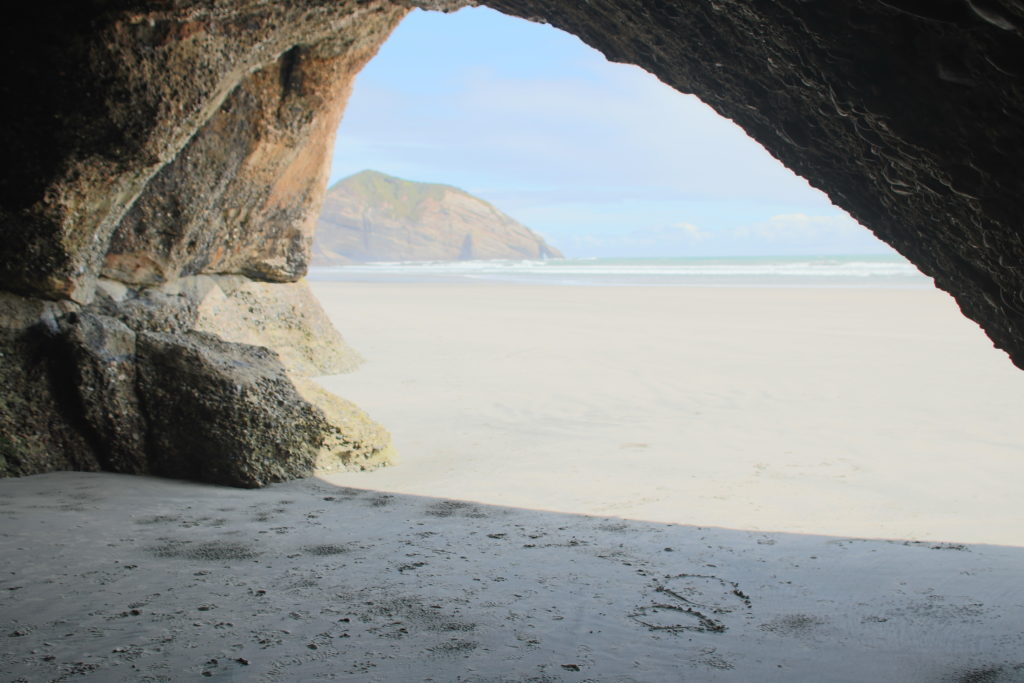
{"points": [[686, 232], [476, 111], [801, 228], [673, 234], [794, 233], [628, 136]]}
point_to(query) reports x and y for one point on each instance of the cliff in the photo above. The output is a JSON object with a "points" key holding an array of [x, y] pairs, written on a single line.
{"points": [[371, 216]]}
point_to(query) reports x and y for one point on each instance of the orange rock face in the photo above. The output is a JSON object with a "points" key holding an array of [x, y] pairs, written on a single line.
{"points": [[241, 197], [184, 114]]}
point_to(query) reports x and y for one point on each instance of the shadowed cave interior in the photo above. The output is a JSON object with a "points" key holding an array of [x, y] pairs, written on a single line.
{"points": [[166, 163]]}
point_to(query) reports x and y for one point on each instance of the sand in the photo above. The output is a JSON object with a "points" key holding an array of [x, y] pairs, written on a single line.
{"points": [[861, 412], [597, 485]]}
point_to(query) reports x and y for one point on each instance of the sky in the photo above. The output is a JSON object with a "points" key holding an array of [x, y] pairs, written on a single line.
{"points": [[602, 159]]}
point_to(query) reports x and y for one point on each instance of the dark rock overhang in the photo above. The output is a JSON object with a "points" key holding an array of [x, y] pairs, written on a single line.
{"points": [[149, 141], [906, 113]]}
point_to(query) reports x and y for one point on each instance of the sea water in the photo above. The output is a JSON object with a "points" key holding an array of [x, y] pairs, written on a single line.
{"points": [[825, 271]]}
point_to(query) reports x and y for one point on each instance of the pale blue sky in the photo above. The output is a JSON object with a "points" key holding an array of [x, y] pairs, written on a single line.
{"points": [[602, 159]]}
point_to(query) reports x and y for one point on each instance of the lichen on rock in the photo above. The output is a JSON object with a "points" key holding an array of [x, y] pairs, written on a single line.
{"points": [[352, 440]]}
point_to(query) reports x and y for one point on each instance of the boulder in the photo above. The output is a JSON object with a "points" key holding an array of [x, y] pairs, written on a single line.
{"points": [[138, 382], [40, 412], [98, 357], [228, 413]]}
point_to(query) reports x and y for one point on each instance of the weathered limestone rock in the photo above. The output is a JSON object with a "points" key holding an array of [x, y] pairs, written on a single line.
{"points": [[148, 142], [128, 384], [98, 355], [203, 149], [108, 96], [206, 401], [241, 196], [39, 425], [352, 441], [159, 309], [284, 317]]}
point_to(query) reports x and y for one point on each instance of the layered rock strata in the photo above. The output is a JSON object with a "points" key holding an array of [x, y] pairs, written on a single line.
{"points": [[151, 144]]}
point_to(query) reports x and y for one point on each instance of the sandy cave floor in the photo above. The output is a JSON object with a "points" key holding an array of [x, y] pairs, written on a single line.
{"points": [[594, 484], [114, 578]]}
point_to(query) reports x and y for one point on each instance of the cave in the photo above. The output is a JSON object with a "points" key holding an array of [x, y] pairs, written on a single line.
{"points": [[166, 162]]}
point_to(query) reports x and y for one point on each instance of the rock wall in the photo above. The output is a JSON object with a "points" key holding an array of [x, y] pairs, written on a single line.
{"points": [[241, 195], [165, 162], [169, 163], [225, 104], [204, 378]]}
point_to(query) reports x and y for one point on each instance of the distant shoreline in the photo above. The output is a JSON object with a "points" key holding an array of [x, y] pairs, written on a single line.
{"points": [[854, 271]]}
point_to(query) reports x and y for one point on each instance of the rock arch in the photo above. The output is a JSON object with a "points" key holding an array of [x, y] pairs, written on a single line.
{"points": [[166, 161]]}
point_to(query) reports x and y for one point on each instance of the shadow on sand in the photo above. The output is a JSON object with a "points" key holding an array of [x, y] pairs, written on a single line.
{"points": [[115, 578]]}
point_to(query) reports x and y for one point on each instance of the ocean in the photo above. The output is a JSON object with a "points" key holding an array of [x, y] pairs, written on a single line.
{"points": [[887, 272]]}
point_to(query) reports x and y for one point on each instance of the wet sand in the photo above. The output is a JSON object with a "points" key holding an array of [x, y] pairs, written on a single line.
{"points": [[595, 486]]}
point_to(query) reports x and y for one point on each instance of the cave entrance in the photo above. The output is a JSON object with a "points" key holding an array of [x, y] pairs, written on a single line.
{"points": [[601, 159], [765, 398]]}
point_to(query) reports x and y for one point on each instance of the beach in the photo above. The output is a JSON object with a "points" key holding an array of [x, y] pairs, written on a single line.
{"points": [[877, 413], [594, 484]]}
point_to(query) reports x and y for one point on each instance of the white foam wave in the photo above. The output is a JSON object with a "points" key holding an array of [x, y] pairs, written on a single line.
{"points": [[608, 269]]}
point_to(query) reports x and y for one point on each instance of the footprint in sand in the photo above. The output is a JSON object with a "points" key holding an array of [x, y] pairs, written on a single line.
{"points": [[989, 674], [710, 592], [798, 625], [452, 508], [213, 551], [326, 549]]}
